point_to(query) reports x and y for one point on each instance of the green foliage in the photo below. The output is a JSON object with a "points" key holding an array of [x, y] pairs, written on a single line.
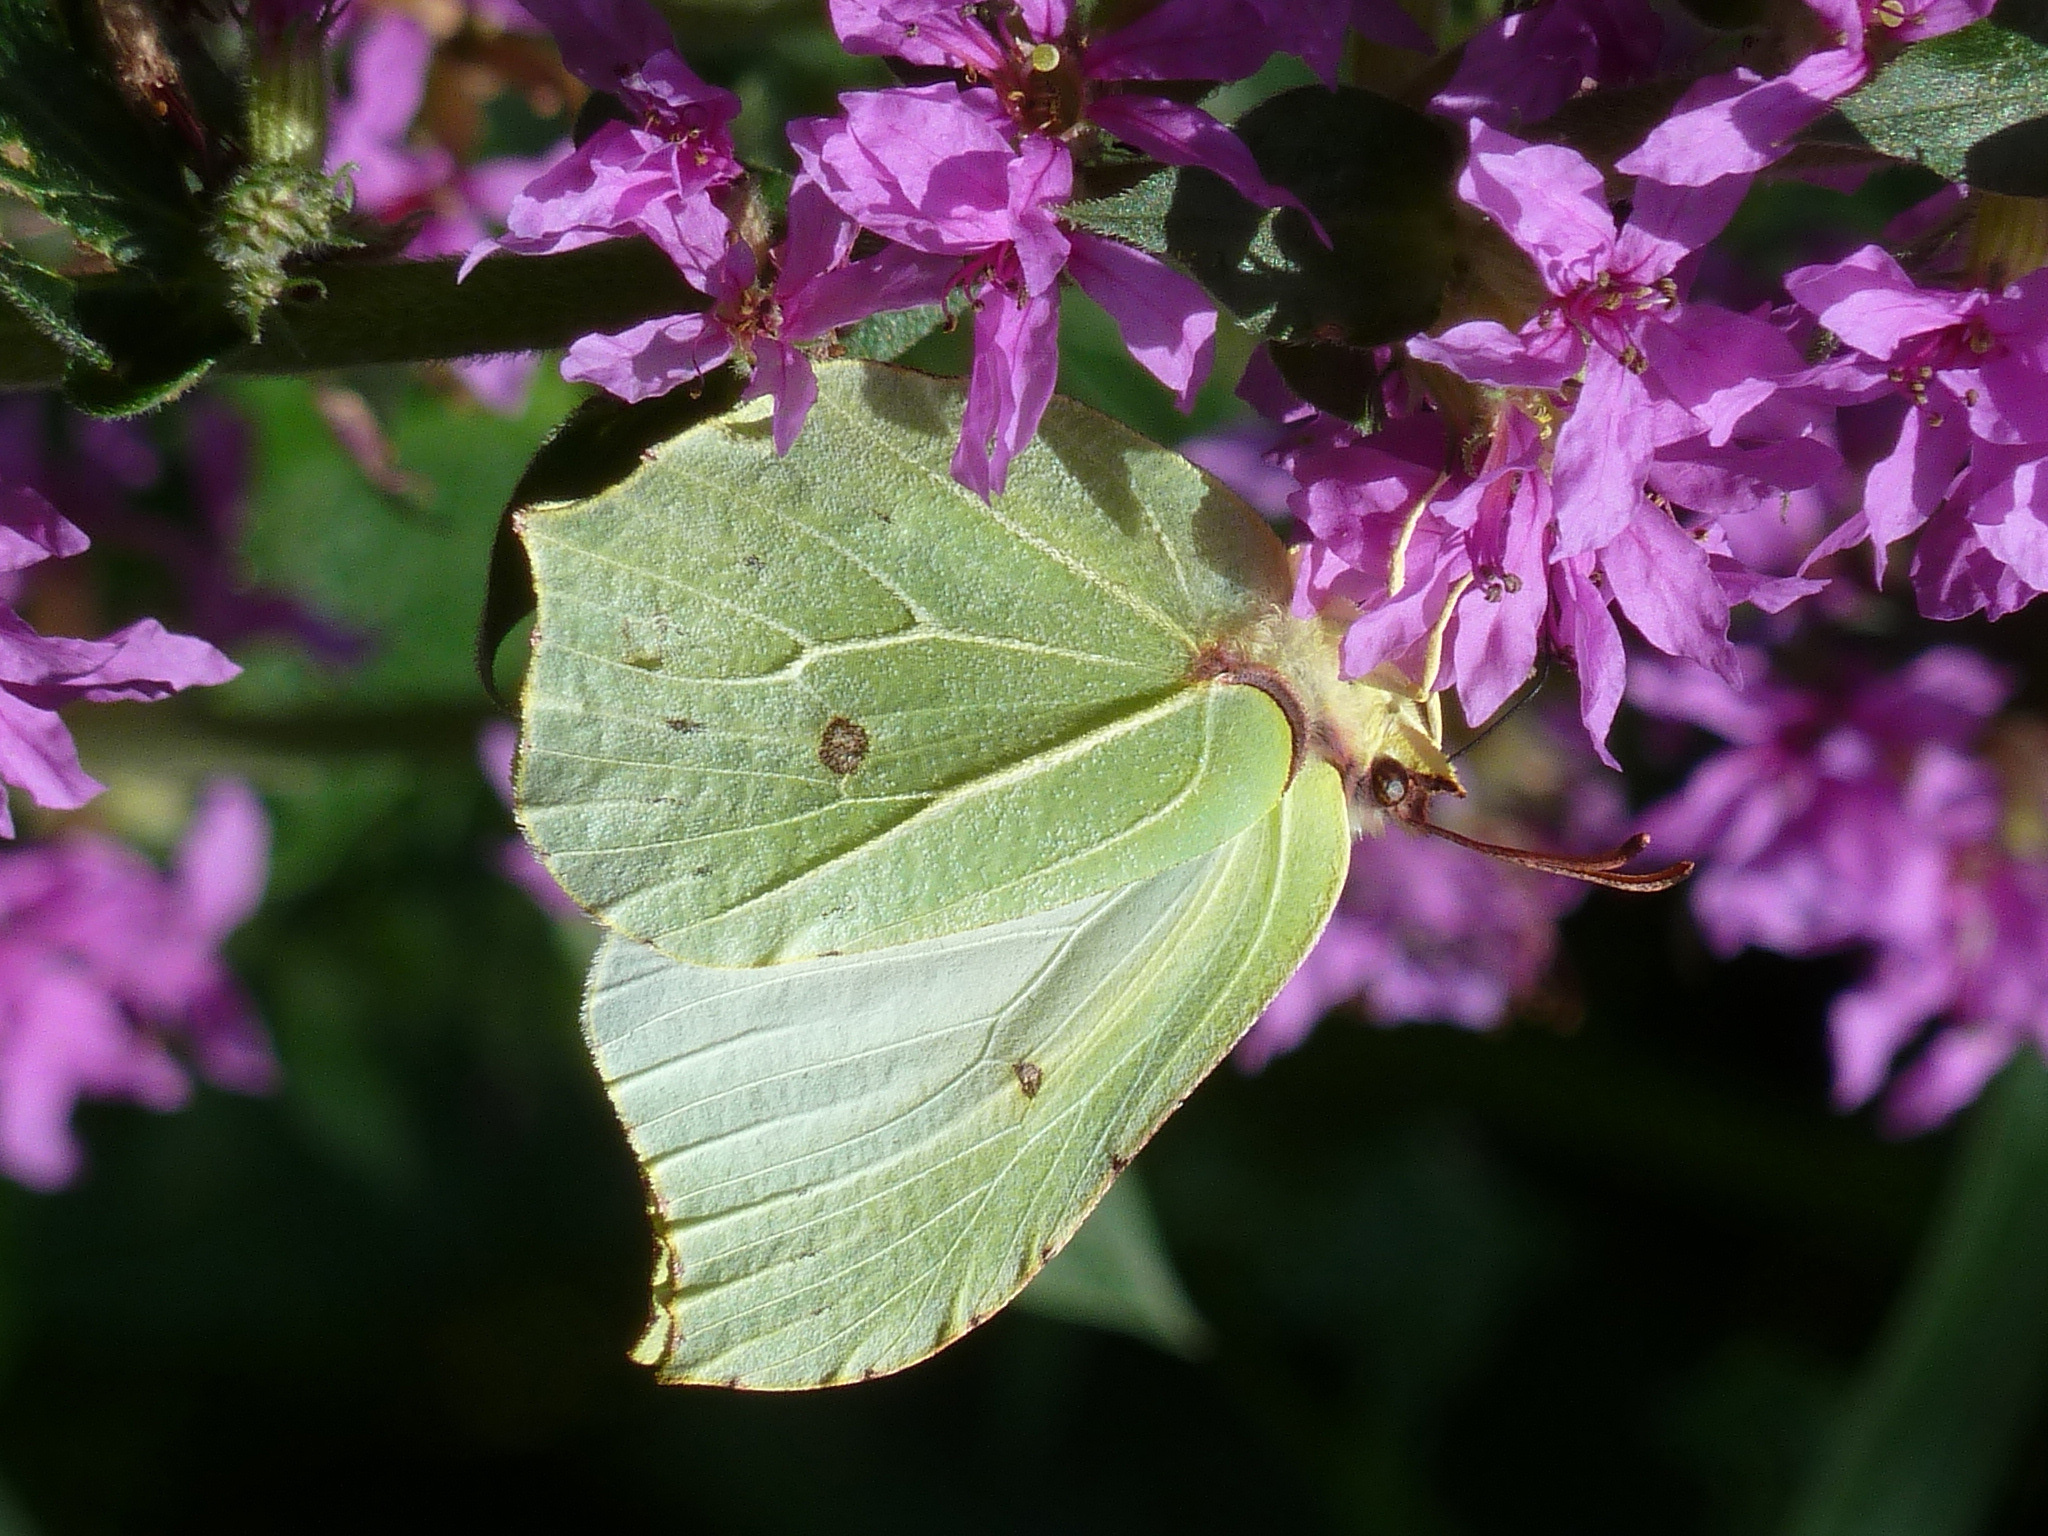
{"points": [[1117, 1274], [1137, 215], [98, 161], [884, 337], [1925, 1442], [1953, 103], [403, 571], [50, 304], [73, 146], [1377, 176], [856, 1159]]}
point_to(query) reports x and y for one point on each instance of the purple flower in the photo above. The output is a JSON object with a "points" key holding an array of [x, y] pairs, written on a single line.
{"points": [[1620, 428], [656, 172], [106, 962], [1051, 74], [1521, 68], [941, 174], [1651, 369], [667, 173], [1738, 123], [1970, 368], [41, 674], [1858, 816], [1243, 457], [814, 291], [450, 204]]}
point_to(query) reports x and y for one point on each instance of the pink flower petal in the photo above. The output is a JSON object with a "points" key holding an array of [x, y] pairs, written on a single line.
{"points": [[1165, 319]]}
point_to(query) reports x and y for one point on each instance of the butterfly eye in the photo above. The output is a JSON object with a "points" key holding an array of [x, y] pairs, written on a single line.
{"points": [[1390, 783]]}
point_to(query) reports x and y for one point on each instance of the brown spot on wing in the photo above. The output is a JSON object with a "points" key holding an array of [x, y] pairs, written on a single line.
{"points": [[1030, 1077], [844, 745], [682, 726]]}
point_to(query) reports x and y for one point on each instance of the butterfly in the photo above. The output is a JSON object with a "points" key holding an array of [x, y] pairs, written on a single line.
{"points": [[943, 845]]}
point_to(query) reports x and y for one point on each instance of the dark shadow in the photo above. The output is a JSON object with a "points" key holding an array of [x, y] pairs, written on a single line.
{"points": [[897, 395]]}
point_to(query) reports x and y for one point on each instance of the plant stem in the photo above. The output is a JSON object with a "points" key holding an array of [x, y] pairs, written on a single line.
{"points": [[360, 313]]}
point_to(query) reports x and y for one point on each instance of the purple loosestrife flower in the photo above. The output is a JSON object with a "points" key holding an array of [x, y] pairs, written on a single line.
{"points": [[1971, 369], [40, 674], [1650, 368], [1051, 75], [667, 172], [1521, 68], [1616, 430], [814, 290], [105, 962], [1738, 123], [965, 203], [402, 178], [1858, 816], [655, 173]]}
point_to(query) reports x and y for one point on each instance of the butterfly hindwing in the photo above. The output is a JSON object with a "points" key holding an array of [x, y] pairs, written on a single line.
{"points": [[853, 1160]]}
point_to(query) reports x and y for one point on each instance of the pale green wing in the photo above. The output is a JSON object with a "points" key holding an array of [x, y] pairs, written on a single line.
{"points": [[790, 707], [851, 1161]]}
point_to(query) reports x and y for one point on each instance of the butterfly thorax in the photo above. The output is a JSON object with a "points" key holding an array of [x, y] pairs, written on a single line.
{"points": [[1349, 723]]}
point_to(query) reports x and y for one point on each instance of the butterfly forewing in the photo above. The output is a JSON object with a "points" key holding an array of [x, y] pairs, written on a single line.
{"points": [[781, 707]]}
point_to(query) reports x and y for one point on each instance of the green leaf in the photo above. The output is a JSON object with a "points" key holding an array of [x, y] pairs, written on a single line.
{"points": [[1940, 98], [1378, 175], [887, 336], [160, 342], [49, 302], [75, 149], [1116, 1274], [854, 1160], [1137, 215], [785, 706], [1956, 1379]]}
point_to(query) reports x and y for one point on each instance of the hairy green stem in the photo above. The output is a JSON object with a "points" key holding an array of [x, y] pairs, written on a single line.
{"points": [[357, 313]]}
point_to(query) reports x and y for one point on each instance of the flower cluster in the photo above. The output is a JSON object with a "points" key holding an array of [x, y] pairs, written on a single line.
{"points": [[106, 963], [1861, 815], [1591, 453], [412, 162]]}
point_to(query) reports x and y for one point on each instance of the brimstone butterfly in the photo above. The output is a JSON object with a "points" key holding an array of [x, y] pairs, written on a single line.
{"points": [[946, 845]]}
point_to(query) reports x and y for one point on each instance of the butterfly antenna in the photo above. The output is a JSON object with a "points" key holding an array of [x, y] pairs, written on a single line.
{"points": [[1508, 711], [1405, 796]]}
